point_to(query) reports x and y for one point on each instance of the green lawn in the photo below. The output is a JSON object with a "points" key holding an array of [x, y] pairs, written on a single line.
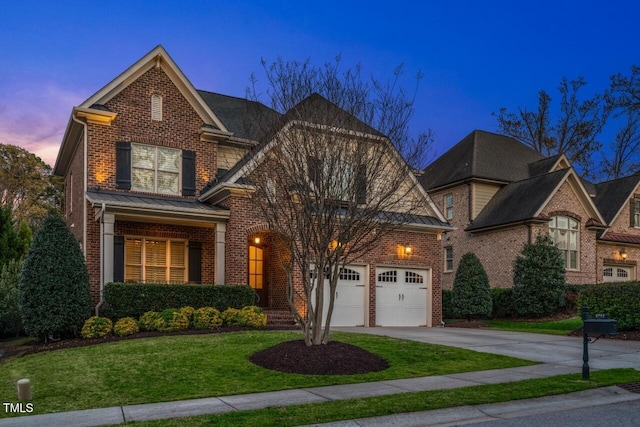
{"points": [[559, 327], [195, 366], [404, 402]]}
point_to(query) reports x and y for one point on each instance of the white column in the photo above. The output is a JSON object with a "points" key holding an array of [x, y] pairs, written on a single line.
{"points": [[108, 219], [221, 230]]}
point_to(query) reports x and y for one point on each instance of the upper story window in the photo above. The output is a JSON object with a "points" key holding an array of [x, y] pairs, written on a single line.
{"points": [[340, 181], [448, 206], [635, 212], [448, 259], [155, 169], [156, 107], [565, 232]]}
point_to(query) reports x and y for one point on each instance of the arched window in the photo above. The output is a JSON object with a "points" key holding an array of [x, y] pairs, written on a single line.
{"points": [[156, 107], [565, 232]]}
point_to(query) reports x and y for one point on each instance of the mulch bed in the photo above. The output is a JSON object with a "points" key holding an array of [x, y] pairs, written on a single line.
{"points": [[334, 358]]}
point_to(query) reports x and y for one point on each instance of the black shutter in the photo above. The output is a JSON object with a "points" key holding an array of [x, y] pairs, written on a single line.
{"points": [[188, 173], [361, 184], [118, 258], [195, 262], [123, 165]]}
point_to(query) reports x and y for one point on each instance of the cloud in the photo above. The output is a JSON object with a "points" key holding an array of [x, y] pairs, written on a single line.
{"points": [[35, 117]]}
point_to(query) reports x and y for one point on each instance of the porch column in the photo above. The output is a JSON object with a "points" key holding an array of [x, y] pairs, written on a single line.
{"points": [[221, 230], [108, 219]]}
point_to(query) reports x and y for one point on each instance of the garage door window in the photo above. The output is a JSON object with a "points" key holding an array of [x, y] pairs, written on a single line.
{"points": [[348, 274], [388, 277], [412, 277]]}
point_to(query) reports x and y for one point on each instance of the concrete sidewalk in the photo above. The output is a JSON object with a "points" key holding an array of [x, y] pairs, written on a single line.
{"points": [[561, 361]]}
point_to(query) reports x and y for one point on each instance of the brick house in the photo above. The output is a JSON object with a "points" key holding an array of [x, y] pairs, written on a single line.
{"points": [[157, 189], [500, 194]]}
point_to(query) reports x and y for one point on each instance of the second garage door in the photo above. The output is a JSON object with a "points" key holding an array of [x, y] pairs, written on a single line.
{"points": [[402, 296]]}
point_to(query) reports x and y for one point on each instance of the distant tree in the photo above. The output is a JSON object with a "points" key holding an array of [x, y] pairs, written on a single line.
{"points": [[539, 279], [573, 131], [54, 293], [14, 244], [623, 157], [10, 322], [471, 294], [27, 185]]}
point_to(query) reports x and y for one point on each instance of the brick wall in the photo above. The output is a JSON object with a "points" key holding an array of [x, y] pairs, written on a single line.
{"points": [[498, 249]]}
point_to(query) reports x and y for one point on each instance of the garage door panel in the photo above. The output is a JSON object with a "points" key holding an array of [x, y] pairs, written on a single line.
{"points": [[401, 297], [348, 307]]}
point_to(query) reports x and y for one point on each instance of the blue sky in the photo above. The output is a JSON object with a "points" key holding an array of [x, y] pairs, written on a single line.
{"points": [[475, 56]]}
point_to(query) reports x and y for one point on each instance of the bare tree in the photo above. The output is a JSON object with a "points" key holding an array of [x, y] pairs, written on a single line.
{"points": [[331, 180], [623, 156], [573, 131]]}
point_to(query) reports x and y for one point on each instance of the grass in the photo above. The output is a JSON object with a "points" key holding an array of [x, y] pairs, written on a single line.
{"points": [[558, 327], [195, 366], [405, 402]]}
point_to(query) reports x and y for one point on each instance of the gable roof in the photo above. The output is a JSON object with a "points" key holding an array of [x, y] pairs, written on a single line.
{"points": [[518, 201], [524, 201], [481, 155], [611, 196], [241, 116]]}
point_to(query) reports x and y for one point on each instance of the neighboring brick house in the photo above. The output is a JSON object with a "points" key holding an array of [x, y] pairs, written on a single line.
{"points": [[157, 185], [500, 194]]}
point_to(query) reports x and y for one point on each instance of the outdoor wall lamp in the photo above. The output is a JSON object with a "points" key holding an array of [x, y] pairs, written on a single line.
{"points": [[256, 240], [623, 253]]}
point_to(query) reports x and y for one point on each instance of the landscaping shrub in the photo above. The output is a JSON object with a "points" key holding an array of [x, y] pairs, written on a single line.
{"points": [[171, 320], [471, 294], [148, 319], [538, 279], [126, 326], [133, 299], [54, 293], [10, 322], [207, 318], [188, 311], [502, 306], [250, 316], [447, 306], [619, 301], [96, 327]]}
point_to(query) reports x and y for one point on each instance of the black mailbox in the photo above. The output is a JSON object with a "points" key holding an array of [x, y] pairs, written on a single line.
{"points": [[601, 326]]}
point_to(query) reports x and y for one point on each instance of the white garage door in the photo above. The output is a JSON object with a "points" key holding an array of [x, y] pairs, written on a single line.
{"points": [[402, 296], [618, 273], [349, 307]]}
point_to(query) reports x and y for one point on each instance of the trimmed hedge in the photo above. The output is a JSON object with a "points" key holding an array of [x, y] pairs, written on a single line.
{"points": [[134, 299], [619, 301]]}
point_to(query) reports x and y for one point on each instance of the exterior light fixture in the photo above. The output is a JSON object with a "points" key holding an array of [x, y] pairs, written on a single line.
{"points": [[256, 240], [623, 253], [407, 250]]}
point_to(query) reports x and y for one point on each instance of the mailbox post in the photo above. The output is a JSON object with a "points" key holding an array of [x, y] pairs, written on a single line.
{"points": [[600, 325]]}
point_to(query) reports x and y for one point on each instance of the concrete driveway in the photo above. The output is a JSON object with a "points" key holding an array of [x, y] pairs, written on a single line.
{"points": [[553, 349]]}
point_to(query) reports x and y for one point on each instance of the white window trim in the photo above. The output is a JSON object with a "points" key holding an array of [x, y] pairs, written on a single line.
{"points": [[636, 212], [446, 270], [143, 267], [155, 169], [448, 208], [566, 252]]}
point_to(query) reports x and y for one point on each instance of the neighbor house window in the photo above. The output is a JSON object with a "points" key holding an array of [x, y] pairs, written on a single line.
{"points": [[448, 259], [448, 206], [155, 260], [156, 107], [565, 233], [635, 205], [155, 169]]}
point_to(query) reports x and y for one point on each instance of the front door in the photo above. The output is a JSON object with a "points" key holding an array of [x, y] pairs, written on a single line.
{"points": [[256, 275]]}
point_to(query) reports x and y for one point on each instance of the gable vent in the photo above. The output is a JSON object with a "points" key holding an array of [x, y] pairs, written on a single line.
{"points": [[156, 107]]}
